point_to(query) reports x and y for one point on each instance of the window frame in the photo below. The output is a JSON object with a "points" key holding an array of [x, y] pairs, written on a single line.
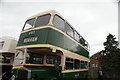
{"points": [[84, 65], [81, 64], [78, 35], [4, 59], [53, 59], [86, 44], [21, 58], [61, 19], [70, 27], [69, 62], [26, 22], [33, 56], [76, 64], [2, 44], [82, 41], [41, 16]]}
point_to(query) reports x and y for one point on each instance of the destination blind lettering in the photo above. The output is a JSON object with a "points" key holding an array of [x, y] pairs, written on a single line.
{"points": [[31, 39]]}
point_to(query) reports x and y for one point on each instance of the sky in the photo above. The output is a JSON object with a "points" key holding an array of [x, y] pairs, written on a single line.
{"points": [[93, 19]]}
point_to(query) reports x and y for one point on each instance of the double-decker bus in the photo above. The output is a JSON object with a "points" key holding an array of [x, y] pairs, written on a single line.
{"points": [[7, 51], [49, 48]]}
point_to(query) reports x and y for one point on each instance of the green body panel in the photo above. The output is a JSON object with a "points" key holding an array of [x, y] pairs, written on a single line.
{"points": [[38, 72], [78, 74], [47, 73], [53, 37], [41, 34], [44, 72]]}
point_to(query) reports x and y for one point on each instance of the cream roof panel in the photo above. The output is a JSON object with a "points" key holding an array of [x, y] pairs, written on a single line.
{"points": [[52, 12]]}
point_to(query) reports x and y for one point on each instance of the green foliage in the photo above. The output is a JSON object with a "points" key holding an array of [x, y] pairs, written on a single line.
{"points": [[110, 60]]}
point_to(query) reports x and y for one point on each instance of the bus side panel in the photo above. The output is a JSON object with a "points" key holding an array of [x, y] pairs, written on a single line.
{"points": [[74, 47], [44, 73], [75, 75], [55, 38], [58, 39]]}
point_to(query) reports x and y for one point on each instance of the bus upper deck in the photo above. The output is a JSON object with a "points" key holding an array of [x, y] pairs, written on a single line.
{"points": [[54, 19]]}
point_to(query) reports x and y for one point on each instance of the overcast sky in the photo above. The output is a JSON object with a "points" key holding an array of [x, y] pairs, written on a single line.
{"points": [[93, 19]]}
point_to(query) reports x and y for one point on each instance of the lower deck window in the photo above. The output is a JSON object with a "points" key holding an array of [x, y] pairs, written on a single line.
{"points": [[75, 64], [5, 59], [69, 63], [84, 64], [53, 59], [39, 58], [34, 58]]}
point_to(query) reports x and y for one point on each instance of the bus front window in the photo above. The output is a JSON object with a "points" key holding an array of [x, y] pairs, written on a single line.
{"points": [[34, 58], [19, 57], [29, 24]]}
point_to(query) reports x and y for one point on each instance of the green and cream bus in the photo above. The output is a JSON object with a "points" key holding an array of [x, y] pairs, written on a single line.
{"points": [[49, 48]]}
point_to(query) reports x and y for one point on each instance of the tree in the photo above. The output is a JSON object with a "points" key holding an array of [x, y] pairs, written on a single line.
{"points": [[110, 60]]}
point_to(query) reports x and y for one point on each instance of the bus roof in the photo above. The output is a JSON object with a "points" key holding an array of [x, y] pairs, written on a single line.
{"points": [[52, 12]]}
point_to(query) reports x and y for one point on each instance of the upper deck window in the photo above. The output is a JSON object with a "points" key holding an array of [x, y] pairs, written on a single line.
{"points": [[1, 44], [69, 30], [42, 20], [82, 41], [59, 22], [76, 35], [29, 24]]}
